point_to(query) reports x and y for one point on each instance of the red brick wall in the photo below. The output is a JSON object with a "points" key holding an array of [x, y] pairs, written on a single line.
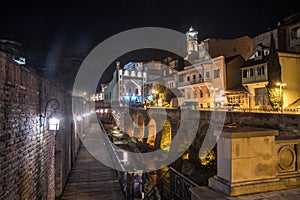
{"points": [[34, 163]]}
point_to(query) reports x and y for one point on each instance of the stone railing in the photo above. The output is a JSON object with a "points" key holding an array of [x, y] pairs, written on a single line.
{"points": [[288, 162], [253, 160]]}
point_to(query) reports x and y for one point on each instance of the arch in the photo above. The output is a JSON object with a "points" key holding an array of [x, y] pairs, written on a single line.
{"points": [[166, 136], [151, 132], [130, 86], [130, 130], [140, 131]]}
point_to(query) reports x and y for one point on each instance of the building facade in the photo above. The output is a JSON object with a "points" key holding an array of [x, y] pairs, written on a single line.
{"points": [[213, 68], [127, 86], [254, 74]]}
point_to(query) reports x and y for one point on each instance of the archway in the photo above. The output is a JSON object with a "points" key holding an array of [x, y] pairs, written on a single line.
{"points": [[151, 133], [166, 136], [140, 131]]}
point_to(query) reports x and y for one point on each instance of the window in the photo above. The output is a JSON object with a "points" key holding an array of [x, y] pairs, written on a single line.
{"points": [[234, 49], [200, 76], [251, 72], [194, 77], [263, 70], [207, 75], [195, 94], [258, 71], [201, 94], [208, 93], [295, 33], [188, 78], [245, 73], [217, 73], [261, 97]]}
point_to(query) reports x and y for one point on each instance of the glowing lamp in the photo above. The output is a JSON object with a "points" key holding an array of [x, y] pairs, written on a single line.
{"points": [[53, 124], [51, 119]]}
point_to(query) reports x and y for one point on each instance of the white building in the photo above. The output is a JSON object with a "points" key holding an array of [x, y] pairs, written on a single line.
{"points": [[127, 85]]}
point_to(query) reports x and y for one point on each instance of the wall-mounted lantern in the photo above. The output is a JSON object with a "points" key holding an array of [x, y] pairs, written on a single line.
{"points": [[51, 118]]}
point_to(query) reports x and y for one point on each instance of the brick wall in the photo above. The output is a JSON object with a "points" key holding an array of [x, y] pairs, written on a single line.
{"points": [[34, 162]]}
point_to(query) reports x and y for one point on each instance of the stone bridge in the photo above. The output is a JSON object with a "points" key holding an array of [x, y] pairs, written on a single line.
{"points": [[157, 126]]}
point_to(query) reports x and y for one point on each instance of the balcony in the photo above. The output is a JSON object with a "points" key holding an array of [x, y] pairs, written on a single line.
{"points": [[192, 82], [255, 79]]}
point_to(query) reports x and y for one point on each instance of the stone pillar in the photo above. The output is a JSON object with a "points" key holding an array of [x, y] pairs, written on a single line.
{"points": [[247, 162]]}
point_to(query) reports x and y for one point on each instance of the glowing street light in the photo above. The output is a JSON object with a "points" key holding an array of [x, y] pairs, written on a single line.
{"points": [[281, 85]]}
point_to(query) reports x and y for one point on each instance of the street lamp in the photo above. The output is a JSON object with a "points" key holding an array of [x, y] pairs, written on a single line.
{"points": [[281, 85], [51, 118]]}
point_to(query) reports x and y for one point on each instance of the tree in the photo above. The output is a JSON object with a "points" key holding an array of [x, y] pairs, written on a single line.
{"points": [[274, 75]]}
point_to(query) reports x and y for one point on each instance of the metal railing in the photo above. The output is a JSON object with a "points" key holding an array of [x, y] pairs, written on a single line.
{"points": [[179, 187]]}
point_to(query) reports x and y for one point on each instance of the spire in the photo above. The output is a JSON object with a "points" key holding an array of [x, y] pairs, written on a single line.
{"points": [[191, 32]]}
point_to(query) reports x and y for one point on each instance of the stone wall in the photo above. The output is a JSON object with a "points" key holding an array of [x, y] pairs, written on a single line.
{"points": [[34, 162]]}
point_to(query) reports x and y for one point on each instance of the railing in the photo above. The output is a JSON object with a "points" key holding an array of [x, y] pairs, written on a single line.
{"points": [[179, 187], [125, 179], [257, 78], [192, 82], [111, 150]]}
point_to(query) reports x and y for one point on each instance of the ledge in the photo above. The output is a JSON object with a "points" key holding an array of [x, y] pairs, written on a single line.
{"points": [[247, 131]]}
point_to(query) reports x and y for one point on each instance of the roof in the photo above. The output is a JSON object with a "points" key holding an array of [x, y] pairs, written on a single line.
{"points": [[254, 61], [230, 58], [238, 89]]}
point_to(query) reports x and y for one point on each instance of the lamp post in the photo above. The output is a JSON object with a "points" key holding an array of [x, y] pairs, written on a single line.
{"points": [[281, 85], [51, 118]]}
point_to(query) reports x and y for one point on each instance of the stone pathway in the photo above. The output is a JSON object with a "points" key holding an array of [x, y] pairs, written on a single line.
{"points": [[91, 180], [289, 194], [205, 193]]}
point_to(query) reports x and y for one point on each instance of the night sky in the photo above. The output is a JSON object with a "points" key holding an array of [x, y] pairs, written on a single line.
{"points": [[62, 33]]}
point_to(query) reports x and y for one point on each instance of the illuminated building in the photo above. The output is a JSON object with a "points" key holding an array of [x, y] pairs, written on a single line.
{"points": [[213, 68], [255, 78], [127, 85]]}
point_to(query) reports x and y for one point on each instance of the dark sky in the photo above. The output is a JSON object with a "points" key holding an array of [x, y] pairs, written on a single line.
{"points": [[55, 31]]}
